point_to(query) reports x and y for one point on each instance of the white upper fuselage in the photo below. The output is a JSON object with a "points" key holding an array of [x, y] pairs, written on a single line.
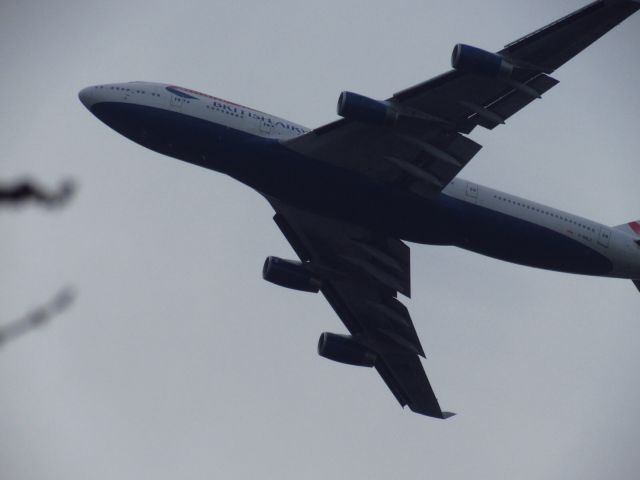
{"points": [[200, 105], [616, 245]]}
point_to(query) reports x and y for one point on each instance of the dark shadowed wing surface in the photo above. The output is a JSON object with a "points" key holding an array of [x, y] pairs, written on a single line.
{"points": [[427, 158], [362, 273]]}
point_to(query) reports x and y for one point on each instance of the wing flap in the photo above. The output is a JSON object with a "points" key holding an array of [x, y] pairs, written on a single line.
{"points": [[390, 316], [507, 106]]}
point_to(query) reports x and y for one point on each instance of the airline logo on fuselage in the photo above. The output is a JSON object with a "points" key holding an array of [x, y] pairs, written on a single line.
{"points": [[232, 108]]}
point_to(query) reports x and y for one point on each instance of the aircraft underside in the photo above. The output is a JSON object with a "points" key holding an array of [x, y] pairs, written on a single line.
{"points": [[315, 186]]}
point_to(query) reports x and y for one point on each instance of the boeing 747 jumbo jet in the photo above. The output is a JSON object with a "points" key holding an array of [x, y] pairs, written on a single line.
{"points": [[347, 194]]}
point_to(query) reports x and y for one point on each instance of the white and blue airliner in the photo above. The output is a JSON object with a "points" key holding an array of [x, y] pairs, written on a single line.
{"points": [[347, 194]]}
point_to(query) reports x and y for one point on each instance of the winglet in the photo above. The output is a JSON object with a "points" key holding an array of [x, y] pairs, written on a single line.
{"points": [[431, 412]]}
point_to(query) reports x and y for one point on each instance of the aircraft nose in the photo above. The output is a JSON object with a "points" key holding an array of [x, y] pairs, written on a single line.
{"points": [[87, 96]]}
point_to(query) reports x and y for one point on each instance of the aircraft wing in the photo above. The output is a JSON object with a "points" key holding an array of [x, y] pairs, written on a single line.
{"points": [[425, 154], [361, 273]]}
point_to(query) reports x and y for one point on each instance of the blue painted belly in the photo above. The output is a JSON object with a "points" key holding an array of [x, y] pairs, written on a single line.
{"points": [[326, 189], [508, 238]]}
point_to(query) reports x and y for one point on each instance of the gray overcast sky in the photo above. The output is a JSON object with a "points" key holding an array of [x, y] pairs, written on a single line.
{"points": [[179, 361]]}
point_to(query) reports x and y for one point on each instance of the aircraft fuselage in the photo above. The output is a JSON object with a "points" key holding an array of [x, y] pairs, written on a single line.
{"points": [[247, 145]]}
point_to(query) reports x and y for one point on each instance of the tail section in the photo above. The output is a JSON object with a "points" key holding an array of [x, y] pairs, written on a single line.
{"points": [[631, 228]]}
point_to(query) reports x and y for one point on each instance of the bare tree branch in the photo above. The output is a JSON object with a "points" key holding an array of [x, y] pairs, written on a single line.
{"points": [[37, 317], [27, 190]]}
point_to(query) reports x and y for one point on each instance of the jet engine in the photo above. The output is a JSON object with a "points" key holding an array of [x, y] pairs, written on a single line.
{"points": [[344, 349], [364, 109], [475, 60], [290, 274]]}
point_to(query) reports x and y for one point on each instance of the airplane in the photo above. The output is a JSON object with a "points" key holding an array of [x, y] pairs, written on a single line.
{"points": [[349, 194]]}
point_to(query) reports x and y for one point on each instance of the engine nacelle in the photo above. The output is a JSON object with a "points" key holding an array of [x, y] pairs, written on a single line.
{"points": [[475, 60], [344, 349], [290, 274], [364, 109]]}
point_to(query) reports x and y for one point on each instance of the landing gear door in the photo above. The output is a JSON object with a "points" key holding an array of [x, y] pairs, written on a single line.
{"points": [[472, 192], [604, 237]]}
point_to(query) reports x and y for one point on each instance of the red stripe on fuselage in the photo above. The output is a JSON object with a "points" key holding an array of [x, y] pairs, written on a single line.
{"points": [[217, 99], [209, 96]]}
